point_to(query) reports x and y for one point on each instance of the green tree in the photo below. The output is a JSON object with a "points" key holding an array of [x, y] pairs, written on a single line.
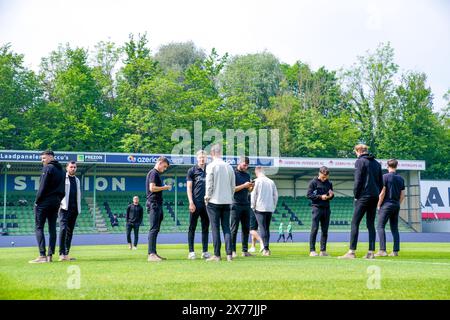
{"points": [[75, 115], [105, 61], [148, 100], [255, 76], [315, 89], [369, 90], [178, 56], [20, 92], [413, 130]]}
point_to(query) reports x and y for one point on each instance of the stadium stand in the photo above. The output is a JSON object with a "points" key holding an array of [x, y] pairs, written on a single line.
{"points": [[20, 218]]}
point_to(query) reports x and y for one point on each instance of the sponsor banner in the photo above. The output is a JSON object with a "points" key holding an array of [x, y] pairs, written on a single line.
{"points": [[186, 160], [435, 199], [91, 158], [32, 156], [344, 163], [35, 156], [147, 159], [179, 159]]}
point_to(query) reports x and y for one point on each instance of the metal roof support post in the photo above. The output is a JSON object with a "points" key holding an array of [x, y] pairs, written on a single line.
{"points": [[409, 195], [176, 199], [295, 187], [95, 196], [5, 168]]}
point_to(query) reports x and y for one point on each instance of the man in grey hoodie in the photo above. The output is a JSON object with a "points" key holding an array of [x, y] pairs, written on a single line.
{"points": [[264, 200], [220, 186]]}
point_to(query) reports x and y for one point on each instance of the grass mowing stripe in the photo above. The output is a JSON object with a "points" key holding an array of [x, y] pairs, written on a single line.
{"points": [[114, 272]]}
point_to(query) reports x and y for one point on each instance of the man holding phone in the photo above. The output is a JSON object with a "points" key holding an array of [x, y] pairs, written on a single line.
{"points": [[320, 192], [154, 188], [240, 209]]}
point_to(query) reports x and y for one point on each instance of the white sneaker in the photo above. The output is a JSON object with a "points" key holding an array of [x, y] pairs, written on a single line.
{"points": [[206, 255], [191, 256], [313, 254], [134, 248], [252, 249]]}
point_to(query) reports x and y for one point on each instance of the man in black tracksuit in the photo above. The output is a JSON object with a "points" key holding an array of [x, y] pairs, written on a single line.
{"points": [[320, 192], [391, 197], [367, 186], [48, 199], [240, 209], [134, 216]]}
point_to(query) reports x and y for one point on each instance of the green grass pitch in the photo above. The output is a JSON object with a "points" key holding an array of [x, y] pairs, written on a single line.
{"points": [[422, 271]]}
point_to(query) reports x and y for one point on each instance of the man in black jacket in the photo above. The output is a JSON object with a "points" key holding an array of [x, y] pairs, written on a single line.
{"points": [[48, 199], [320, 192], [135, 213], [367, 187], [240, 209]]}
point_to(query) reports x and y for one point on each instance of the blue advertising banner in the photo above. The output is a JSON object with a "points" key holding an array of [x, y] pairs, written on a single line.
{"points": [[120, 158], [103, 183], [28, 156]]}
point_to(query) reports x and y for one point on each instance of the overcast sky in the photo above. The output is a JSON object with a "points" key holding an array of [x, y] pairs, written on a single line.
{"points": [[321, 33]]}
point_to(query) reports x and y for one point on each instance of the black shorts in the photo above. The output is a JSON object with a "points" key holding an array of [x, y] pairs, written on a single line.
{"points": [[253, 221]]}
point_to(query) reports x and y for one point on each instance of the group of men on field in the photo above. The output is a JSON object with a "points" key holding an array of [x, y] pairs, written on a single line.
{"points": [[224, 198]]}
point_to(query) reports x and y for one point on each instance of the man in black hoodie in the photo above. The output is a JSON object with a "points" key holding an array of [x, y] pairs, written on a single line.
{"points": [[48, 199], [367, 187]]}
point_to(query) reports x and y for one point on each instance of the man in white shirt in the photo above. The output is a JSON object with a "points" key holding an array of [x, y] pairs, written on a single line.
{"points": [[264, 198], [220, 186], [69, 210]]}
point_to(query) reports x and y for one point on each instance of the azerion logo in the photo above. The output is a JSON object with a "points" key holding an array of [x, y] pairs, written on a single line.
{"points": [[131, 159]]}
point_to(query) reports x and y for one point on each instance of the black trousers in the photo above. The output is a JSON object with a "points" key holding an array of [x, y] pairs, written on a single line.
{"points": [[219, 214], [46, 212], [135, 227], [363, 206], [156, 216], [281, 235], [67, 220], [253, 221], [240, 213], [320, 215], [264, 219], [388, 211], [289, 237], [200, 211]]}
